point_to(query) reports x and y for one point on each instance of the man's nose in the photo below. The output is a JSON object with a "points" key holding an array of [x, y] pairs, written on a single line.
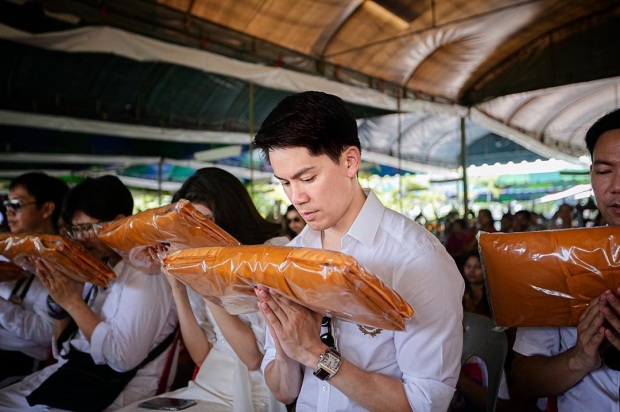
{"points": [[298, 194]]}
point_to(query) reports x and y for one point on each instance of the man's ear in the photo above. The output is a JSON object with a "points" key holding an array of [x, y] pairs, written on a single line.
{"points": [[353, 159], [48, 209]]}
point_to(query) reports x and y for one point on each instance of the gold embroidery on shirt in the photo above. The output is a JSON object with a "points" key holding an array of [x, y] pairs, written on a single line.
{"points": [[367, 330]]}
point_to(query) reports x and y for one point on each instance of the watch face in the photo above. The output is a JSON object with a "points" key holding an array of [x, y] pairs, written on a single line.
{"points": [[330, 362]]}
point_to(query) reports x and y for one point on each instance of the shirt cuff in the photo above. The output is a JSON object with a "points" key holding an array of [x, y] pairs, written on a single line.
{"points": [[97, 340], [427, 394]]}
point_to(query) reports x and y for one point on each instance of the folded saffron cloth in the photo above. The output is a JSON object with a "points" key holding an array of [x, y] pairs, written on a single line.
{"points": [[322, 280], [547, 278]]}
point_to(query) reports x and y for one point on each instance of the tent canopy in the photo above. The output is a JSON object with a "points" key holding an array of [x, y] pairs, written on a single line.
{"points": [[537, 72]]}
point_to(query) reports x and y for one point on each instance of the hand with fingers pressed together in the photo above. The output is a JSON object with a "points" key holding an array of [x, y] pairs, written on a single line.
{"points": [[64, 291], [295, 328], [581, 365], [610, 307]]}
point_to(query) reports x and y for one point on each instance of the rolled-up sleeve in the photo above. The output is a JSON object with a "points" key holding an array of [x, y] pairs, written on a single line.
{"points": [[429, 352], [133, 317]]}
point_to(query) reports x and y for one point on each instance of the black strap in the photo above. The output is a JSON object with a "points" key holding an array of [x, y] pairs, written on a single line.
{"points": [[159, 349], [71, 329], [22, 294]]}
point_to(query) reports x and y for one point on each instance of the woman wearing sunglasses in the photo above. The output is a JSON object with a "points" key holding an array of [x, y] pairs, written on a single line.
{"points": [[294, 223], [33, 205]]}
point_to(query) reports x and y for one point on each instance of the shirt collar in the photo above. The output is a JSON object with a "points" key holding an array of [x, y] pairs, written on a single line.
{"points": [[366, 224], [363, 229]]}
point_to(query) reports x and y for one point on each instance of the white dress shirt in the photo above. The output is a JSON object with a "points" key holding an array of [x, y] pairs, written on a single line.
{"points": [[137, 312], [426, 357], [597, 391], [26, 326]]}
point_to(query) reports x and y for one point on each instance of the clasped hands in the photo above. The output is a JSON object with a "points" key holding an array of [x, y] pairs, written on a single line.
{"points": [[599, 321], [62, 289], [295, 328]]}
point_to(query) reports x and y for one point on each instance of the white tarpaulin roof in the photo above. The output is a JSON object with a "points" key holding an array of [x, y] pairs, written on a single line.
{"points": [[435, 61]]}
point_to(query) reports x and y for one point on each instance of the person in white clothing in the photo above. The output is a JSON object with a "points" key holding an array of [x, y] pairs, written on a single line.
{"points": [[566, 361], [227, 348], [311, 141], [105, 334], [34, 205]]}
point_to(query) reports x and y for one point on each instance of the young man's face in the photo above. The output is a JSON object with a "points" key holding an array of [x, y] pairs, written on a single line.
{"points": [[29, 217], [605, 175], [320, 189], [91, 242]]}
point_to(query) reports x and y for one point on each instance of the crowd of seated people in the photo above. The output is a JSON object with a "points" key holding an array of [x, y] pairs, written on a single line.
{"points": [[70, 345]]}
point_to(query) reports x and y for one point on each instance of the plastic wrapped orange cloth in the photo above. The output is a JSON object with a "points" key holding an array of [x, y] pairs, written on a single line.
{"points": [[65, 255], [10, 271], [547, 278], [322, 280], [179, 225]]}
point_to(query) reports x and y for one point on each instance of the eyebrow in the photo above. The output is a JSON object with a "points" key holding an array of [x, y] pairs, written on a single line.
{"points": [[297, 174], [603, 162]]}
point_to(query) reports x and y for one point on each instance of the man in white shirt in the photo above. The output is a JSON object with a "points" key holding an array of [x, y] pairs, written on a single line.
{"points": [[34, 204], [312, 144], [565, 362], [115, 328]]}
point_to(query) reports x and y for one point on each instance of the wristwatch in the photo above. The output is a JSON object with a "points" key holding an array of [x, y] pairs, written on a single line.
{"points": [[329, 363]]}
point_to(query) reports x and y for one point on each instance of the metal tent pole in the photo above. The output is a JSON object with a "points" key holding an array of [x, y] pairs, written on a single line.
{"points": [[464, 168]]}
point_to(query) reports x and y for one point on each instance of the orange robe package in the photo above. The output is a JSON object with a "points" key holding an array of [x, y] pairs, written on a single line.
{"points": [[179, 225], [547, 278], [322, 280], [65, 255]]}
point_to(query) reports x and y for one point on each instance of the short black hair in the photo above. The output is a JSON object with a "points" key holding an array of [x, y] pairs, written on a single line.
{"points": [[102, 198], [320, 122], [526, 214], [611, 121], [232, 207], [43, 188]]}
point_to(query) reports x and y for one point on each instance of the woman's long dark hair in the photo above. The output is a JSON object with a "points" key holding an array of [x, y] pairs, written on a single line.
{"points": [[230, 203], [483, 307]]}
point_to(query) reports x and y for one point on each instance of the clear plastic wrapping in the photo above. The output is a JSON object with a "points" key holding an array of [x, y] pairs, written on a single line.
{"points": [[178, 225], [65, 255], [547, 278], [322, 280]]}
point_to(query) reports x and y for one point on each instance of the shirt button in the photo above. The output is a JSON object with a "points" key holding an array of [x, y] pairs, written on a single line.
{"points": [[324, 388]]}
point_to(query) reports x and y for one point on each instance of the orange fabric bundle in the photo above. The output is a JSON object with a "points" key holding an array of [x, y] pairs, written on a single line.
{"points": [[10, 271], [322, 280], [179, 225], [548, 278], [65, 255]]}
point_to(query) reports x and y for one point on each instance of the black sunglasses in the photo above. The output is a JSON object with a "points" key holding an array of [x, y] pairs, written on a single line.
{"points": [[16, 205], [328, 338]]}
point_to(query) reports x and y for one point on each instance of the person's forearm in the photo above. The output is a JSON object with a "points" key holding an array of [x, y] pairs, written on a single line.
{"points": [[84, 317], [540, 376], [194, 337], [25, 324], [362, 388], [284, 378], [238, 335]]}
